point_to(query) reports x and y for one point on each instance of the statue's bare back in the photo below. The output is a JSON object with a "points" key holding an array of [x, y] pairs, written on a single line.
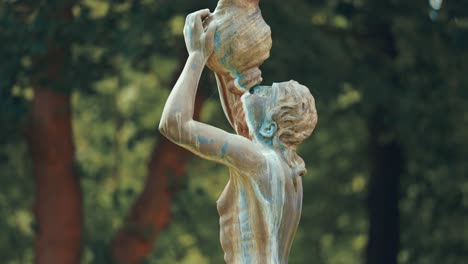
{"points": [[259, 213]]}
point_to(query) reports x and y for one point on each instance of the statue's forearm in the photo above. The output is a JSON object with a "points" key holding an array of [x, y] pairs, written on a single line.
{"points": [[179, 108]]}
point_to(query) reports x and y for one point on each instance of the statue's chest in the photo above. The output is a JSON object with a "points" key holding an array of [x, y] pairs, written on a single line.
{"points": [[238, 194], [227, 200]]}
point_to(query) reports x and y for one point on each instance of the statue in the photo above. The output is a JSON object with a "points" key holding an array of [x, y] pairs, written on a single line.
{"points": [[261, 204]]}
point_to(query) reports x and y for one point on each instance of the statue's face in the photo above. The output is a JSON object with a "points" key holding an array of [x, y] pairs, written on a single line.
{"points": [[256, 104]]}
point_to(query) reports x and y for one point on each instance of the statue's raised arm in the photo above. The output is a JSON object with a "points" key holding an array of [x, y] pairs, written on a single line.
{"points": [[177, 122]]}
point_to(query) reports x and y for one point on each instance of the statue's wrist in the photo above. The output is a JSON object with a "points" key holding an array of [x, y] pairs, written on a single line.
{"points": [[198, 57]]}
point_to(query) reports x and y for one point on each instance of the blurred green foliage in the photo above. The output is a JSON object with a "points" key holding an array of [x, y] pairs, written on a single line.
{"points": [[405, 57]]}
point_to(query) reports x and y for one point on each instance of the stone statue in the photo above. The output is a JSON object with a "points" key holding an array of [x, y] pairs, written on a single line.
{"points": [[261, 204]]}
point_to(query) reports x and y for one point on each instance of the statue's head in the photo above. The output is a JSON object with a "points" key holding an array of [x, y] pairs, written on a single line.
{"points": [[281, 116], [283, 113]]}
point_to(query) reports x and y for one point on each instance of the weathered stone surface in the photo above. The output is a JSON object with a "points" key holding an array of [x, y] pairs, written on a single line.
{"points": [[261, 204], [242, 42]]}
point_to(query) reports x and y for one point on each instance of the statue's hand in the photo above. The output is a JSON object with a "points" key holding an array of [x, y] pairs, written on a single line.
{"points": [[199, 33]]}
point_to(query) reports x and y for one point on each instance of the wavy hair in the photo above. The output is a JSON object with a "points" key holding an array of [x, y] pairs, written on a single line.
{"points": [[296, 116]]}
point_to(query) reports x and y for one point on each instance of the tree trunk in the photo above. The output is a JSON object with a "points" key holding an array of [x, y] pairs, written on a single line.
{"points": [[151, 212], [57, 205], [387, 165], [58, 197]]}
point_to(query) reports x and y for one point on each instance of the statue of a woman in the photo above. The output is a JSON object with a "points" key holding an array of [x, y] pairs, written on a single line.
{"points": [[261, 204]]}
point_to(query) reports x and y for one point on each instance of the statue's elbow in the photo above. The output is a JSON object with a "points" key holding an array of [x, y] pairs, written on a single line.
{"points": [[172, 129], [165, 127], [162, 127]]}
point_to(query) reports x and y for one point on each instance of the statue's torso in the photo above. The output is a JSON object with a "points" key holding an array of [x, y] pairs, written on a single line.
{"points": [[259, 213]]}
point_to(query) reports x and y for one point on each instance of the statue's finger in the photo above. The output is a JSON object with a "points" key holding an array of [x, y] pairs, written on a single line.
{"points": [[188, 23], [197, 18], [207, 21], [198, 24], [210, 31], [188, 18], [202, 13]]}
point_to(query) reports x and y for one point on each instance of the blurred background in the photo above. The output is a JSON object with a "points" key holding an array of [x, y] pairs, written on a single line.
{"points": [[85, 176]]}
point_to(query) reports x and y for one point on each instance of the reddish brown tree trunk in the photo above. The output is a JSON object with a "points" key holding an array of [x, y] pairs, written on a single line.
{"points": [[58, 197], [151, 212]]}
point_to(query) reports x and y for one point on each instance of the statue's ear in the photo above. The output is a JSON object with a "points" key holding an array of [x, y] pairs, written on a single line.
{"points": [[268, 129]]}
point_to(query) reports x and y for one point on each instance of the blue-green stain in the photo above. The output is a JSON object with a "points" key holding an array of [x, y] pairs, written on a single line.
{"points": [[239, 77], [217, 40], [190, 33], [224, 149], [225, 58], [194, 66], [204, 140]]}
